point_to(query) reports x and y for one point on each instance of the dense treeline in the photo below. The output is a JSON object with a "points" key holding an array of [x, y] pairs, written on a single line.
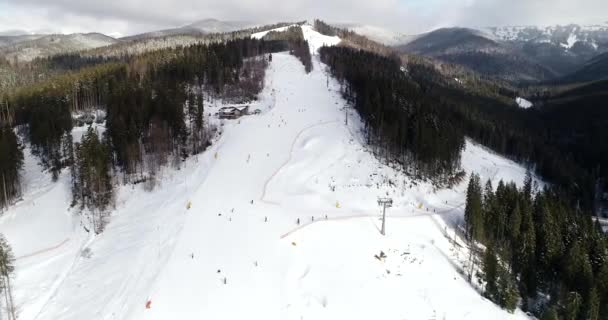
{"points": [[15, 73], [532, 137], [540, 248], [402, 124], [137, 45], [553, 139], [7, 268], [43, 112], [352, 39], [91, 176], [11, 160], [575, 122], [297, 45], [146, 114], [301, 50], [153, 110]]}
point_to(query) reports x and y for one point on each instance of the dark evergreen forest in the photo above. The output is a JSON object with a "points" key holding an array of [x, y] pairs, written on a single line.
{"points": [[561, 140], [154, 113], [539, 248], [402, 124]]}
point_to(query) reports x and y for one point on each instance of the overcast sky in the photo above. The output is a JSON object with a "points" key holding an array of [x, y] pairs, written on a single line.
{"points": [[126, 17]]}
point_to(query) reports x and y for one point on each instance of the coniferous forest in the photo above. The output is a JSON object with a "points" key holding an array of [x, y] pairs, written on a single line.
{"points": [[402, 125], [153, 108], [560, 144], [539, 248]]}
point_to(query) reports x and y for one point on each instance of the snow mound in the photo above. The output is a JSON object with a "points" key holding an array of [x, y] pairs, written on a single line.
{"points": [[523, 103], [572, 39]]}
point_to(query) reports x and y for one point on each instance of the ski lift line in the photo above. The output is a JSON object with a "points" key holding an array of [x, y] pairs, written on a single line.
{"points": [[367, 215]]}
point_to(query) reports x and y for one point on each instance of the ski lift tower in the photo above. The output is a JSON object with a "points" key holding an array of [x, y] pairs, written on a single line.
{"points": [[384, 203]]}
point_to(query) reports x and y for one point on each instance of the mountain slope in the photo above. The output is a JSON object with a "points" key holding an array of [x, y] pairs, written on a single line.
{"points": [[452, 40], [595, 69], [381, 35], [54, 44], [7, 40], [562, 49], [477, 51], [249, 239], [200, 27], [565, 36]]}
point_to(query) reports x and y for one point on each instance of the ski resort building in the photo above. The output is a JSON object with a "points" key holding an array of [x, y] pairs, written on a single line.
{"points": [[233, 112]]}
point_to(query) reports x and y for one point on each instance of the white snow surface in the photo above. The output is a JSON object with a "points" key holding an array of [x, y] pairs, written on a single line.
{"points": [[523, 103], [314, 38], [572, 39], [239, 252], [317, 40], [262, 34]]}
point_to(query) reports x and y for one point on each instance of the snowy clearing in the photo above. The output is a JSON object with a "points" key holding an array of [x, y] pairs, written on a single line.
{"points": [[262, 34], [315, 39], [283, 225]]}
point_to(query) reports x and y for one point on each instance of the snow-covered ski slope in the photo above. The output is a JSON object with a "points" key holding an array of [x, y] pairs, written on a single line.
{"points": [[315, 40], [283, 225]]}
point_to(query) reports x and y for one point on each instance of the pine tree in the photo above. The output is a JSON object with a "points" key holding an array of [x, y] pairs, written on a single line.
{"points": [[602, 289], [507, 290], [577, 267], [473, 211], [549, 240], [92, 168], [7, 261], [514, 225], [550, 314], [525, 260], [11, 161], [528, 181], [573, 306], [592, 305], [490, 272]]}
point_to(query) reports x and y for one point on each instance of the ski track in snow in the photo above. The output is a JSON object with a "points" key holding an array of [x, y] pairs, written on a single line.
{"points": [[293, 144], [299, 163], [49, 249]]}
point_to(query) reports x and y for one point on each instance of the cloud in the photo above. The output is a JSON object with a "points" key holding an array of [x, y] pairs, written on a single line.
{"points": [[410, 16]]}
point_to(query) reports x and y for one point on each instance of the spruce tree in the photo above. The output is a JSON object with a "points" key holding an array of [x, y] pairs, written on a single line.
{"points": [[573, 306], [490, 272], [473, 210], [550, 314], [7, 268]]}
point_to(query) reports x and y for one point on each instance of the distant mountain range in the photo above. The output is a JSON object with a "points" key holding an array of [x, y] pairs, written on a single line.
{"points": [[28, 47], [515, 53], [378, 34], [25, 47], [200, 27]]}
